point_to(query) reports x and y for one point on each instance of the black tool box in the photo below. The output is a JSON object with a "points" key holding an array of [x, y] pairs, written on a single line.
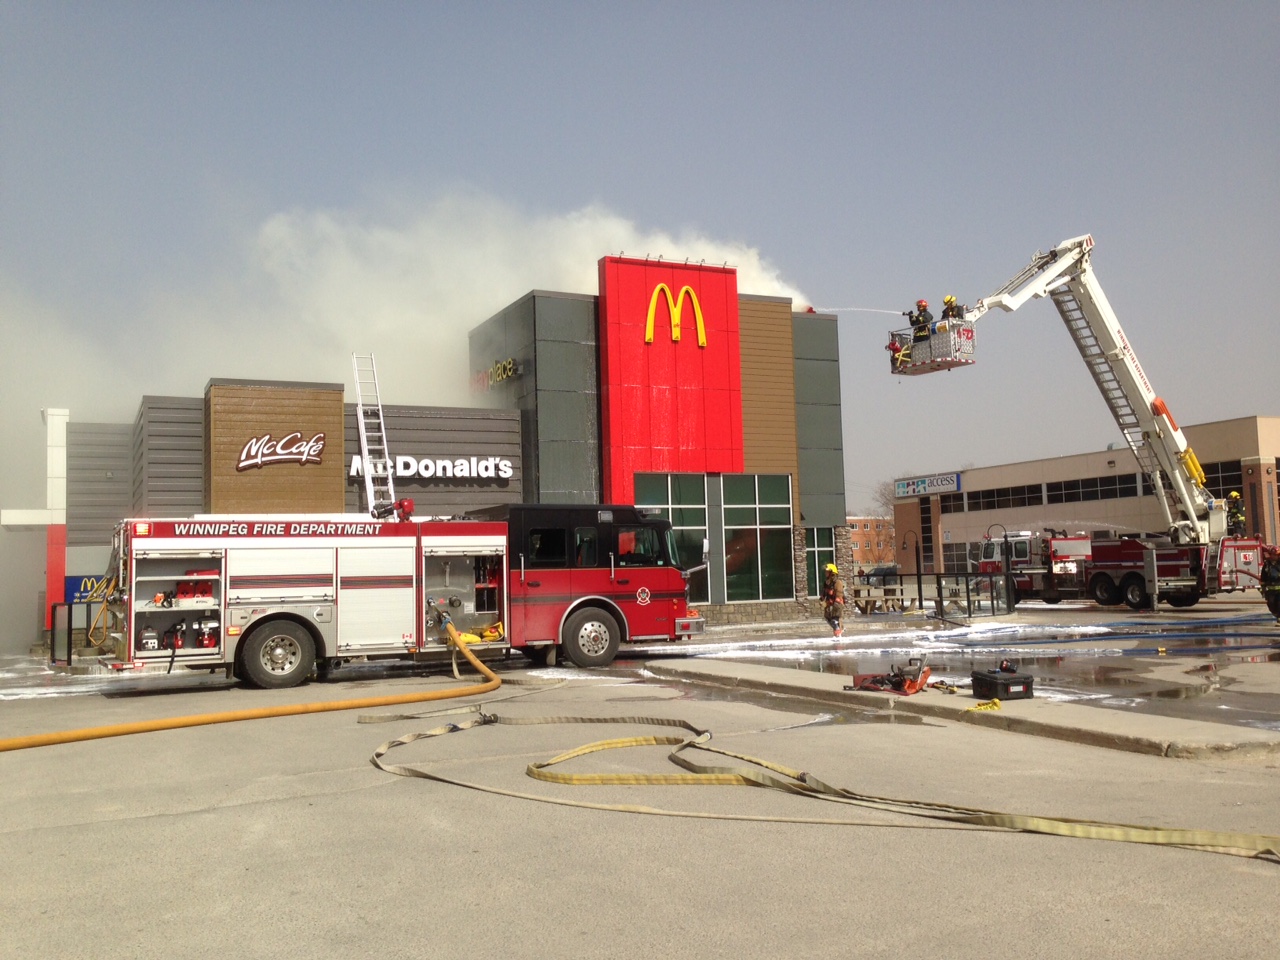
{"points": [[999, 685]]}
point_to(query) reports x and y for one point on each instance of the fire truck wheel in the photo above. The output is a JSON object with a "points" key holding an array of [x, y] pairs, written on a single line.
{"points": [[1104, 591], [278, 654], [1133, 589], [1051, 600], [591, 638], [1183, 600]]}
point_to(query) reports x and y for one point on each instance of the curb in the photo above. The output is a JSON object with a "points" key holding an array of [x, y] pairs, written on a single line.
{"points": [[1254, 744]]}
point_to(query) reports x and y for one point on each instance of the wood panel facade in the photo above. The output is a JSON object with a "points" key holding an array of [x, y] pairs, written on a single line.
{"points": [[768, 389], [244, 469]]}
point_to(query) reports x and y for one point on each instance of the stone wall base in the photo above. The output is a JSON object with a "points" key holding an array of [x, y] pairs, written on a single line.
{"points": [[766, 611]]}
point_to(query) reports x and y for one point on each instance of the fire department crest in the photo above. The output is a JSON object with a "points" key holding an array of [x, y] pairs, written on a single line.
{"points": [[642, 596]]}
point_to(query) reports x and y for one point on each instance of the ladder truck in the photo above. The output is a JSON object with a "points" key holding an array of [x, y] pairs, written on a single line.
{"points": [[1195, 557]]}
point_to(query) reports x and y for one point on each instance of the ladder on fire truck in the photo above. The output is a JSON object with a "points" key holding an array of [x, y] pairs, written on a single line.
{"points": [[375, 461], [1104, 375], [1065, 275]]}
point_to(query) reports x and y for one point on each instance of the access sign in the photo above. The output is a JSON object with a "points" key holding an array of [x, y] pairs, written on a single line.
{"points": [[925, 486]]}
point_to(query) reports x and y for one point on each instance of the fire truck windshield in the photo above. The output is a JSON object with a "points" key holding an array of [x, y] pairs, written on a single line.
{"points": [[640, 546], [672, 551]]}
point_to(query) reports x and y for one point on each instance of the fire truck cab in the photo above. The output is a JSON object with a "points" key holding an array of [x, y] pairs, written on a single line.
{"points": [[271, 598], [1049, 567], [588, 578]]}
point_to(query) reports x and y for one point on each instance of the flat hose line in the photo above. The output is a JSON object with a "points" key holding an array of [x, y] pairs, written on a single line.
{"points": [[263, 713], [800, 783]]}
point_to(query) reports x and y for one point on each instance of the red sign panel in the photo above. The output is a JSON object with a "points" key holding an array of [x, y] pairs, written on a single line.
{"points": [[670, 383]]}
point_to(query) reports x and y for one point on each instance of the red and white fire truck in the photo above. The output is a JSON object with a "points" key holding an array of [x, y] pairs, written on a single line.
{"points": [[1053, 567], [1199, 554], [270, 598]]}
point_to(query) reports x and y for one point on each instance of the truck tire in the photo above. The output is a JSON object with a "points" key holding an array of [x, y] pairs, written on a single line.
{"points": [[591, 638], [1103, 590], [1133, 590], [1183, 600], [1051, 600], [277, 654]]}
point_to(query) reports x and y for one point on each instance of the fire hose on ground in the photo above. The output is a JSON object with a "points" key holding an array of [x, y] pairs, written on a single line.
{"points": [[796, 782], [265, 713]]}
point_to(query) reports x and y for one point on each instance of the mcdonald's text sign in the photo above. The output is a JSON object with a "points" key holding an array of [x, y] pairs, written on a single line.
{"points": [[670, 385]]}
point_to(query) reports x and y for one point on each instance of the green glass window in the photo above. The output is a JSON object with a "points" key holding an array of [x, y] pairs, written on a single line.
{"points": [[680, 498], [775, 489], [688, 489], [742, 564], [739, 489], [819, 550], [775, 516]]}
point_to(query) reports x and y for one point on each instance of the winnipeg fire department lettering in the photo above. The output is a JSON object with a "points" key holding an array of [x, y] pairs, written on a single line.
{"points": [[276, 529], [291, 448]]}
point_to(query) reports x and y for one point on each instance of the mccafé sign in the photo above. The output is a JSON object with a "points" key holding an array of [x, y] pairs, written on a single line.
{"points": [[474, 468], [675, 308], [291, 448]]}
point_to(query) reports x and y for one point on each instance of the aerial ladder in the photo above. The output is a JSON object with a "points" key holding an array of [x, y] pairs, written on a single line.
{"points": [[375, 461], [1065, 275]]}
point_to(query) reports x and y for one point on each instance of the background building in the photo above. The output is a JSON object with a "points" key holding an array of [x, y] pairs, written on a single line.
{"points": [[872, 544], [1099, 494]]}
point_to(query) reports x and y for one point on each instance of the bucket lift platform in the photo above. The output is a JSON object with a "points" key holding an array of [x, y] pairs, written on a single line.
{"points": [[950, 344]]}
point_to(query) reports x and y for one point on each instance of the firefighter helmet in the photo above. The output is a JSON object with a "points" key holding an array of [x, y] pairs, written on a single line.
{"points": [[830, 568], [922, 303], [1234, 495], [948, 299]]}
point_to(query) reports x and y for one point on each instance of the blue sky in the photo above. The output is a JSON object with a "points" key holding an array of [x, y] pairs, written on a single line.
{"points": [[232, 189]]}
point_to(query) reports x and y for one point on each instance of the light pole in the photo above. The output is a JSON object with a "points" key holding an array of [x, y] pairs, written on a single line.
{"points": [[1004, 564], [919, 567]]}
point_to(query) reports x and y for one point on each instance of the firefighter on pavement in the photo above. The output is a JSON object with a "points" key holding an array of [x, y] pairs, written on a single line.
{"points": [[920, 321], [833, 599], [950, 309], [1235, 515], [1269, 579]]}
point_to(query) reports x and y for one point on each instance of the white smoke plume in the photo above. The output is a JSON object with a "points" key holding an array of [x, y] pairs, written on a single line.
{"points": [[310, 288], [405, 281]]}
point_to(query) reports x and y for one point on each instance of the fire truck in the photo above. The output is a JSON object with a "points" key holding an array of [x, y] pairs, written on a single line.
{"points": [[271, 598], [1053, 567], [1195, 556]]}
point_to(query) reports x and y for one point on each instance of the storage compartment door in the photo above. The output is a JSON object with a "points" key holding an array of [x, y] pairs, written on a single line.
{"points": [[278, 575], [375, 598]]}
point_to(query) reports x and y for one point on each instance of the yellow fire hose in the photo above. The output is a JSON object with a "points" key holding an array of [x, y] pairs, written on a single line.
{"points": [[801, 783], [263, 713]]}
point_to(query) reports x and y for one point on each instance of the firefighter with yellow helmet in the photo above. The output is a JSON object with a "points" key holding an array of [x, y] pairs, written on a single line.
{"points": [[1235, 515], [951, 310], [833, 599]]}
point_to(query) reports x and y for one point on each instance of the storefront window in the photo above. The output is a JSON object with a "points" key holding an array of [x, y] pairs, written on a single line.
{"points": [[682, 499], [757, 537], [819, 550]]}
